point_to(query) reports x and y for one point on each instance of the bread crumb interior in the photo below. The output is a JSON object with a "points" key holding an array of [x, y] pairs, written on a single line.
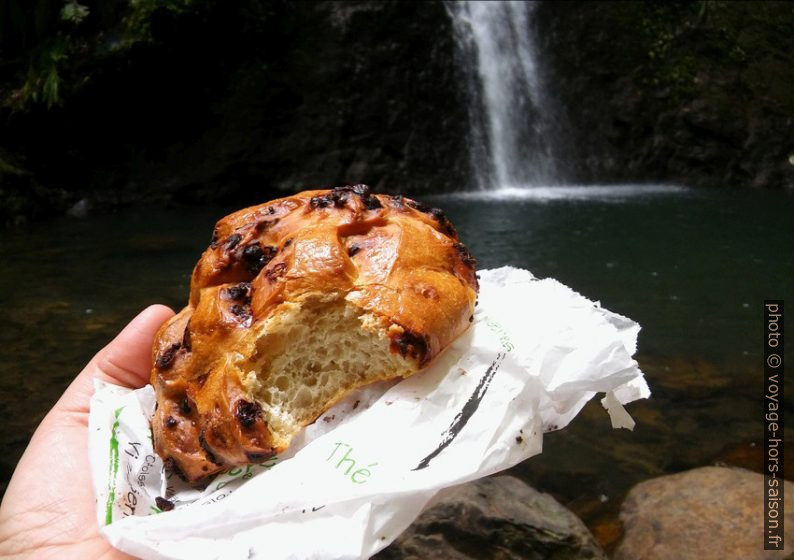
{"points": [[310, 355]]}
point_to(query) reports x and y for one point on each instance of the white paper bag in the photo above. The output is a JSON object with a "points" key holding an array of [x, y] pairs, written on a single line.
{"points": [[356, 478]]}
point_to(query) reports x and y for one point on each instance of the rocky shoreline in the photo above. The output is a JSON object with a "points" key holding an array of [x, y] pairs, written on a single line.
{"points": [[704, 513]]}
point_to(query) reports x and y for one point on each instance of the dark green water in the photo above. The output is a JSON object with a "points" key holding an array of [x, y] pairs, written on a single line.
{"points": [[692, 267]]}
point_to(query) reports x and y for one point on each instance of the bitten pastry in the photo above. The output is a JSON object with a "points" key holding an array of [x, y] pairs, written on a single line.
{"points": [[294, 304]]}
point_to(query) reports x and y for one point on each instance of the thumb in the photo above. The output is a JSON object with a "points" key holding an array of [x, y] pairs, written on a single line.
{"points": [[126, 361]]}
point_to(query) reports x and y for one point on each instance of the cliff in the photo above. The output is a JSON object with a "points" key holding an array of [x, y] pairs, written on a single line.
{"points": [[104, 103], [692, 92], [200, 101]]}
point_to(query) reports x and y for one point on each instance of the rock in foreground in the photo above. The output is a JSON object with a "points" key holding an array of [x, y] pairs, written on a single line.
{"points": [[495, 518], [706, 513]]}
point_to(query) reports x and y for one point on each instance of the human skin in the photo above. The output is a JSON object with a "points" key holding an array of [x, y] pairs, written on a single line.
{"points": [[48, 510]]}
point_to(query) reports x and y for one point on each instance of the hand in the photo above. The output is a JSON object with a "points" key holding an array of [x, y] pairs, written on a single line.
{"points": [[48, 510]]}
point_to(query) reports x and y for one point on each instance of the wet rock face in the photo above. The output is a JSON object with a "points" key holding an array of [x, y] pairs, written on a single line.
{"points": [[686, 92], [252, 101], [494, 518], [706, 513]]}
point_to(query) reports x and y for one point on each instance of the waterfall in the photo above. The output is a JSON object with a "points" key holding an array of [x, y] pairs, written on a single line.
{"points": [[511, 124]]}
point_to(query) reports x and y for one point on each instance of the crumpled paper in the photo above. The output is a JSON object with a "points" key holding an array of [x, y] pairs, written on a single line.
{"points": [[355, 479]]}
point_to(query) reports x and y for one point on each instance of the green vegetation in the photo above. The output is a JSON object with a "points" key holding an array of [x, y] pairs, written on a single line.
{"points": [[48, 54], [74, 12], [119, 101], [137, 21], [696, 44]]}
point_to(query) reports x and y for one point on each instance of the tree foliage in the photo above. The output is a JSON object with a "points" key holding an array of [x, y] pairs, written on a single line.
{"points": [[47, 53]]}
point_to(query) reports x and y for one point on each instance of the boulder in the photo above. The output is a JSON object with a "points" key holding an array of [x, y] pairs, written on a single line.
{"points": [[500, 518], [705, 513]]}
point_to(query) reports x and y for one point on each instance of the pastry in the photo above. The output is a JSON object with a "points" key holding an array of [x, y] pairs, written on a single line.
{"points": [[294, 304]]}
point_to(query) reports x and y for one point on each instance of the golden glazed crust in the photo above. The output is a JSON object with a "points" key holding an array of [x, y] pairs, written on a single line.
{"points": [[393, 259]]}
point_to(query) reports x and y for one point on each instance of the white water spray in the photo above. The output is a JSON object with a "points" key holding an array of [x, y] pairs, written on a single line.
{"points": [[511, 123]]}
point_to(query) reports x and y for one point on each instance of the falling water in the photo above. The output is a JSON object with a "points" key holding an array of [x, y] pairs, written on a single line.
{"points": [[511, 125]]}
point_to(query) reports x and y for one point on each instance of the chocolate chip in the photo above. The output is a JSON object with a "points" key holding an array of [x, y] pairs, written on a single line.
{"points": [[258, 457], [471, 318], [321, 201], [247, 413], [276, 271], [239, 310], [465, 256], [419, 206], [232, 241], [397, 201], [215, 236], [239, 292], [339, 196], [256, 256], [186, 342], [271, 210], [352, 250], [171, 466], [287, 243], [166, 358], [184, 406], [372, 203], [361, 190], [445, 225], [355, 405], [170, 422], [252, 254], [411, 344], [264, 225], [163, 504], [207, 451], [519, 439]]}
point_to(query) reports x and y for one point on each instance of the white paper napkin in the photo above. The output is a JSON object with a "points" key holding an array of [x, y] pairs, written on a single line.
{"points": [[354, 480]]}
